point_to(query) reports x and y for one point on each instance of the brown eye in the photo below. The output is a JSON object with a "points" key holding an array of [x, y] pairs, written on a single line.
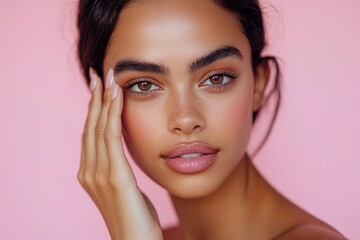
{"points": [[217, 79], [143, 86]]}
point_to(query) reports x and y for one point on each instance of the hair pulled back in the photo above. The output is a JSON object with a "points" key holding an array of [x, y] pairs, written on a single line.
{"points": [[97, 19]]}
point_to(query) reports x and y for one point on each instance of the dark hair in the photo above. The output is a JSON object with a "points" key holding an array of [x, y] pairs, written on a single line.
{"points": [[97, 19]]}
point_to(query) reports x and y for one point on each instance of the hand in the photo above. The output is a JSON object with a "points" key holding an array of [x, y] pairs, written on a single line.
{"points": [[105, 172]]}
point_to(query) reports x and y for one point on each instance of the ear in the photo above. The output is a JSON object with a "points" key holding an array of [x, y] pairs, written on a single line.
{"points": [[262, 74]]}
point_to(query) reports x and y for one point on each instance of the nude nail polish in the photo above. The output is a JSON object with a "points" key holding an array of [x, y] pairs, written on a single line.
{"points": [[93, 79], [114, 92], [109, 78]]}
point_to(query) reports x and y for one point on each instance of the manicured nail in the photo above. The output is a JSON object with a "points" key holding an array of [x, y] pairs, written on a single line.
{"points": [[109, 79], [114, 91], [93, 79]]}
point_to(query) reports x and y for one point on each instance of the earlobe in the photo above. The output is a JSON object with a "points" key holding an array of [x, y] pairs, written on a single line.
{"points": [[262, 75]]}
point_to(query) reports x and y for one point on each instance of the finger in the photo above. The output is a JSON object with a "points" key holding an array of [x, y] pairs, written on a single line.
{"points": [[119, 166], [88, 154], [89, 160], [84, 181], [102, 162]]}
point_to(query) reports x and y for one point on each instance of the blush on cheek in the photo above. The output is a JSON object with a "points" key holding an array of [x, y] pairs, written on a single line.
{"points": [[235, 119], [141, 126], [238, 116]]}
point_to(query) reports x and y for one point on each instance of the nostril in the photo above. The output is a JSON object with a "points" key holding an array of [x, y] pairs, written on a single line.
{"points": [[185, 122], [196, 127], [187, 129]]}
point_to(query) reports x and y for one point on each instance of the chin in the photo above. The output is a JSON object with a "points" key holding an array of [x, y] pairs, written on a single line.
{"points": [[192, 187], [206, 184]]}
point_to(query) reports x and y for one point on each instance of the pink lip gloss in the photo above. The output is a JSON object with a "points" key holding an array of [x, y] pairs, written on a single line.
{"points": [[190, 158]]}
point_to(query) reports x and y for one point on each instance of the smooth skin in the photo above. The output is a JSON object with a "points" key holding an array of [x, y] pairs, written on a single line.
{"points": [[155, 111]]}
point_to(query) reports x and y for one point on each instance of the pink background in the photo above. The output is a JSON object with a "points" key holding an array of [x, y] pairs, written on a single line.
{"points": [[312, 156]]}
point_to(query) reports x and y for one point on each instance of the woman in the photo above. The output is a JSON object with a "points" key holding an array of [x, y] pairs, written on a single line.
{"points": [[182, 83]]}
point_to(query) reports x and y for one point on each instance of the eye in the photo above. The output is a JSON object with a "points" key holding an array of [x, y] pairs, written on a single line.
{"points": [[218, 79], [143, 86]]}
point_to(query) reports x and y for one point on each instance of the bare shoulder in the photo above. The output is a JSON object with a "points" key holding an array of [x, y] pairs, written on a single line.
{"points": [[171, 233], [311, 232]]}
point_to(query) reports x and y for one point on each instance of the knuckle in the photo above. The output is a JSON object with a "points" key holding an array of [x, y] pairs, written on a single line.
{"points": [[99, 130], [112, 112], [108, 136], [88, 180], [106, 100]]}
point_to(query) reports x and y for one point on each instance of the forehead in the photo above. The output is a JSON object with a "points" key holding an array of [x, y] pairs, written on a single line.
{"points": [[157, 30]]}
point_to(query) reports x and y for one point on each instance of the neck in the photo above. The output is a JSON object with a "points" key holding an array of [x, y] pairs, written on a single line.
{"points": [[231, 212]]}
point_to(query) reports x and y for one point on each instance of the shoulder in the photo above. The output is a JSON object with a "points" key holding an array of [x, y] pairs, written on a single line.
{"points": [[310, 232]]}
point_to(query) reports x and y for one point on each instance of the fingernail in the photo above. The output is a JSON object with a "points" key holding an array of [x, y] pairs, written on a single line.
{"points": [[93, 79], [114, 92], [109, 78]]}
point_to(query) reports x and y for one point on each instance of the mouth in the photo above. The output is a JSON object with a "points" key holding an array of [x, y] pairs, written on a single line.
{"points": [[191, 155], [190, 158]]}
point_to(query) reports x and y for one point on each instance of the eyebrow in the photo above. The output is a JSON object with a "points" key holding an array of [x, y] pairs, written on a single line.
{"points": [[134, 65], [220, 53], [143, 66]]}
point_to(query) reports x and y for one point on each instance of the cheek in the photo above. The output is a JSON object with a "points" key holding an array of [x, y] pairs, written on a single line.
{"points": [[240, 116], [232, 120], [141, 126]]}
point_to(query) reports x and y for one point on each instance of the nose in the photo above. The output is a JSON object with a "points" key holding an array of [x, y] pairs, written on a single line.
{"points": [[186, 114]]}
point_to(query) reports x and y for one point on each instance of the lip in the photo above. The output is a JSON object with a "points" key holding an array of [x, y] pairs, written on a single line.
{"points": [[176, 160]]}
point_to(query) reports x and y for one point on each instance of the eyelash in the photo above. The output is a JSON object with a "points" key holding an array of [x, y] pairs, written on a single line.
{"points": [[216, 87], [139, 94]]}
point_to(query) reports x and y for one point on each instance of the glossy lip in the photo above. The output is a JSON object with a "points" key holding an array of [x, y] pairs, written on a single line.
{"points": [[174, 159]]}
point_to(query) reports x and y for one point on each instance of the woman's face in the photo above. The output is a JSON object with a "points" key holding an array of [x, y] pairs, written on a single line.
{"points": [[185, 68]]}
